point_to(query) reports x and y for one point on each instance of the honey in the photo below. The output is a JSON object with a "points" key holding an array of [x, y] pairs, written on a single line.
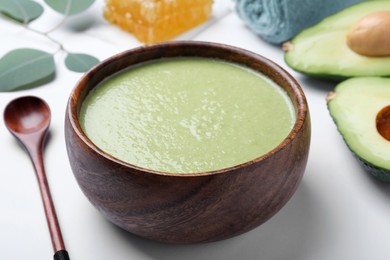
{"points": [[152, 21]]}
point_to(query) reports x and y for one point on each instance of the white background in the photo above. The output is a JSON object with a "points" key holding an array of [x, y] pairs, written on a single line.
{"points": [[338, 212]]}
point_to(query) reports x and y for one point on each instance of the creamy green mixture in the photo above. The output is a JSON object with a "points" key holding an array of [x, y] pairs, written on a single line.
{"points": [[187, 115]]}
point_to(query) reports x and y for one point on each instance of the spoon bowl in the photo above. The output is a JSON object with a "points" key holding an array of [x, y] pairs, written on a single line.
{"points": [[27, 115]]}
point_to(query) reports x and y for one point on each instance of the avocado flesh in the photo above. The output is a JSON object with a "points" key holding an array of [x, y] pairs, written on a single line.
{"points": [[322, 50], [354, 106]]}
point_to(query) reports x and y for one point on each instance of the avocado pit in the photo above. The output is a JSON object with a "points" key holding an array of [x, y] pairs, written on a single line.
{"points": [[383, 122], [370, 35]]}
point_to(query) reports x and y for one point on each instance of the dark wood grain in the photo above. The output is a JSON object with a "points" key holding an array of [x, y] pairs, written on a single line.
{"points": [[28, 119], [188, 208]]}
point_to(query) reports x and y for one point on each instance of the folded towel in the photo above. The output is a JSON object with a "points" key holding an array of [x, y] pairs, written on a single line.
{"points": [[277, 21]]}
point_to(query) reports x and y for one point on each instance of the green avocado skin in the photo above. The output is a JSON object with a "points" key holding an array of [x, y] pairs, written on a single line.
{"points": [[321, 50], [380, 173], [374, 169]]}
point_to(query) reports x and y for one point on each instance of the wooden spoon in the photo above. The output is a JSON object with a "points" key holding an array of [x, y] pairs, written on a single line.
{"points": [[28, 119]]}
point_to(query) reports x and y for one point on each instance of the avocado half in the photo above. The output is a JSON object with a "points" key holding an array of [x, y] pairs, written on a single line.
{"points": [[360, 107], [322, 51]]}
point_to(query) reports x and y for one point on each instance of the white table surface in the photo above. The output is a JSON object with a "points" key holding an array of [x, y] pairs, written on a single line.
{"points": [[338, 212]]}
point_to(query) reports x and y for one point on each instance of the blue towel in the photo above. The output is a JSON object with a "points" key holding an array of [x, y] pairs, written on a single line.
{"points": [[277, 21]]}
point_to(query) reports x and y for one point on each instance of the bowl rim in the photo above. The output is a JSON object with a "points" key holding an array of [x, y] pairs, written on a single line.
{"points": [[298, 94]]}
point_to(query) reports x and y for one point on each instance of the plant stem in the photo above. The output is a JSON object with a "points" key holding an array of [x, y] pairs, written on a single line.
{"points": [[47, 36], [66, 15], [47, 33], [57, 26]]}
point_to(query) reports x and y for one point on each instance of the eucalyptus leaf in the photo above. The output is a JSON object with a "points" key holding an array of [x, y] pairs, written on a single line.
{"points": [[23, 11], [80, 62], [25, 67], [69, 7]]}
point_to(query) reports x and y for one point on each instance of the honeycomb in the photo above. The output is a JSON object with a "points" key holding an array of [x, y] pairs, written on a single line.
{"points": [[152, 21]]}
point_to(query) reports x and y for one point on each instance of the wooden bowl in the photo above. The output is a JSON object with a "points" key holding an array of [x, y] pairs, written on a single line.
{"points": [[188, 208]]}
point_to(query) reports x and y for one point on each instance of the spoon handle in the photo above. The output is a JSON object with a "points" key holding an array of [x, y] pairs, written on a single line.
{"points": [[36, 156]]}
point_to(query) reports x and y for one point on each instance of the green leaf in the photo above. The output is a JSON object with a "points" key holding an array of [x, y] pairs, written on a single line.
{"points": [[25, 68], [23, 11], [69, 7], [80, 62]]}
